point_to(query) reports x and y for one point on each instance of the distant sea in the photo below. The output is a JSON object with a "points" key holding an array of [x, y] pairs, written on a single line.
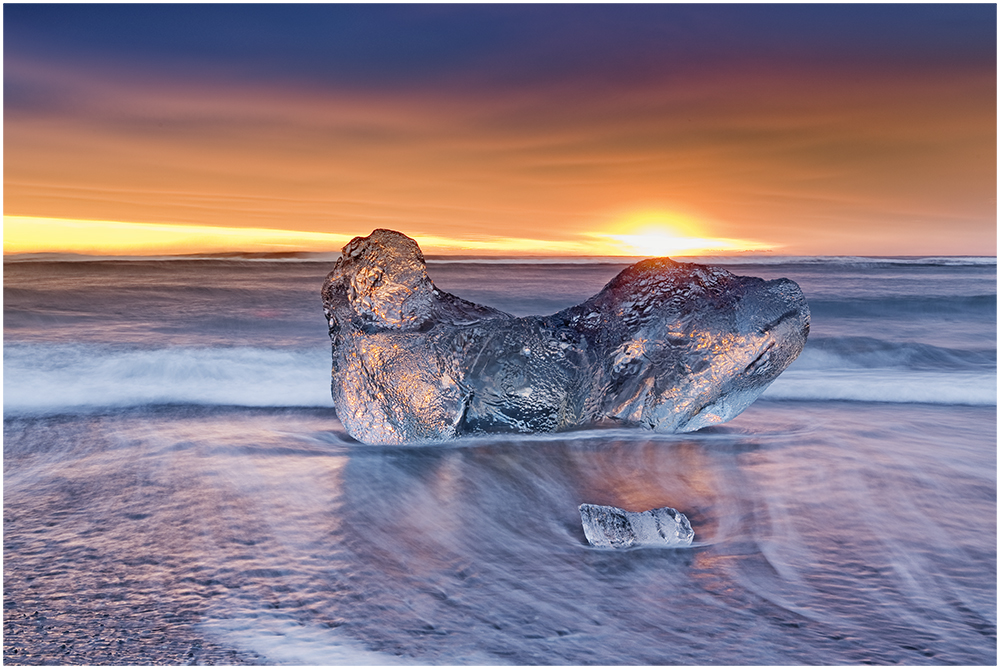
{"points": [[178, 489]]}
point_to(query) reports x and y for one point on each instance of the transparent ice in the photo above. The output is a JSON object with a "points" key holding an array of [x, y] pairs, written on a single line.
{"points": [[611, 527], [669, 346]]}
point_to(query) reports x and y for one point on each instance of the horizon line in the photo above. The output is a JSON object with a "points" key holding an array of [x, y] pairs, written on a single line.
{"points": [[277, 255]]}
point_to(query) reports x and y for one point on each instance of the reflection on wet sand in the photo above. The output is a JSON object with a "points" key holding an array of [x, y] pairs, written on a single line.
{"points": [[272, 532], [542, 481]]}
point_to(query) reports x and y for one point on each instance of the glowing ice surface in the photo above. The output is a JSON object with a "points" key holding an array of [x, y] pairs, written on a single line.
{"points": [[669, 346], [611, 527]]}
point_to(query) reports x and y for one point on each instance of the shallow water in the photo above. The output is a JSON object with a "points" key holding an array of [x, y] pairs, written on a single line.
{"points": [[818, 539], [242, 525]]}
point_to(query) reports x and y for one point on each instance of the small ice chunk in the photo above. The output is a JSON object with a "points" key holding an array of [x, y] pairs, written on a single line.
{"points": [[611, 527]]}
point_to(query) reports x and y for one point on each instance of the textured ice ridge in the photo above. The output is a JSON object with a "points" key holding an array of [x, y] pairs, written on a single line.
{"points": [[669, 346], [611, 527]]}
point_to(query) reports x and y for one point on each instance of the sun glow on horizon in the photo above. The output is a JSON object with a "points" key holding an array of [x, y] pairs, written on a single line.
{"points": [[665, 233], [28, 234]]}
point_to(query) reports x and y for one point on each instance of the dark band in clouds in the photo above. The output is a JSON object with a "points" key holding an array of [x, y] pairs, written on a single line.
{"points": [[490, 45], [818, 128]]}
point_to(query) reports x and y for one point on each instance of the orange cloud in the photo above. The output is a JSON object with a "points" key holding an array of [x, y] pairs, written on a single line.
{"points": [[870, 165]]}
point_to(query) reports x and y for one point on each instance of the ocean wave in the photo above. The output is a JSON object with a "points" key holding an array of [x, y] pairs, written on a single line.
{"points": [[45, 378], [975, 306], [882, 385], [867, 369], [836, 353], [54, 378], [861, 262]]}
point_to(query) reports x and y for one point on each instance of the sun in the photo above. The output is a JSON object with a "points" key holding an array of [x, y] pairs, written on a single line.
{"points": [[666, 233], [659, 242]]}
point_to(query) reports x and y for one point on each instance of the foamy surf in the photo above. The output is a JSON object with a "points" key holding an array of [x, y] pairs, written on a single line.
{"points": [[879, 385], [48, 378], [55, 378]]}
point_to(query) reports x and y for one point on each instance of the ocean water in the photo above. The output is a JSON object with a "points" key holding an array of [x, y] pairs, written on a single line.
{"points": [[178, 489]]}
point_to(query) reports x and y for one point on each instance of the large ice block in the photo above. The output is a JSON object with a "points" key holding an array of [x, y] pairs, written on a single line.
{"points": [[611, 527], [668, 346]]}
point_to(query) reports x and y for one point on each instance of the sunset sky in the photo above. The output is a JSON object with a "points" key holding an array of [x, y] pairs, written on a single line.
{"points": [[556, 129]]}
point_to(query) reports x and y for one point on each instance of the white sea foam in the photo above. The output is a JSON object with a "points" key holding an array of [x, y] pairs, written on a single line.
{"points": [[55, 377], [50, 378], [886, 385], [283, 640]]}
